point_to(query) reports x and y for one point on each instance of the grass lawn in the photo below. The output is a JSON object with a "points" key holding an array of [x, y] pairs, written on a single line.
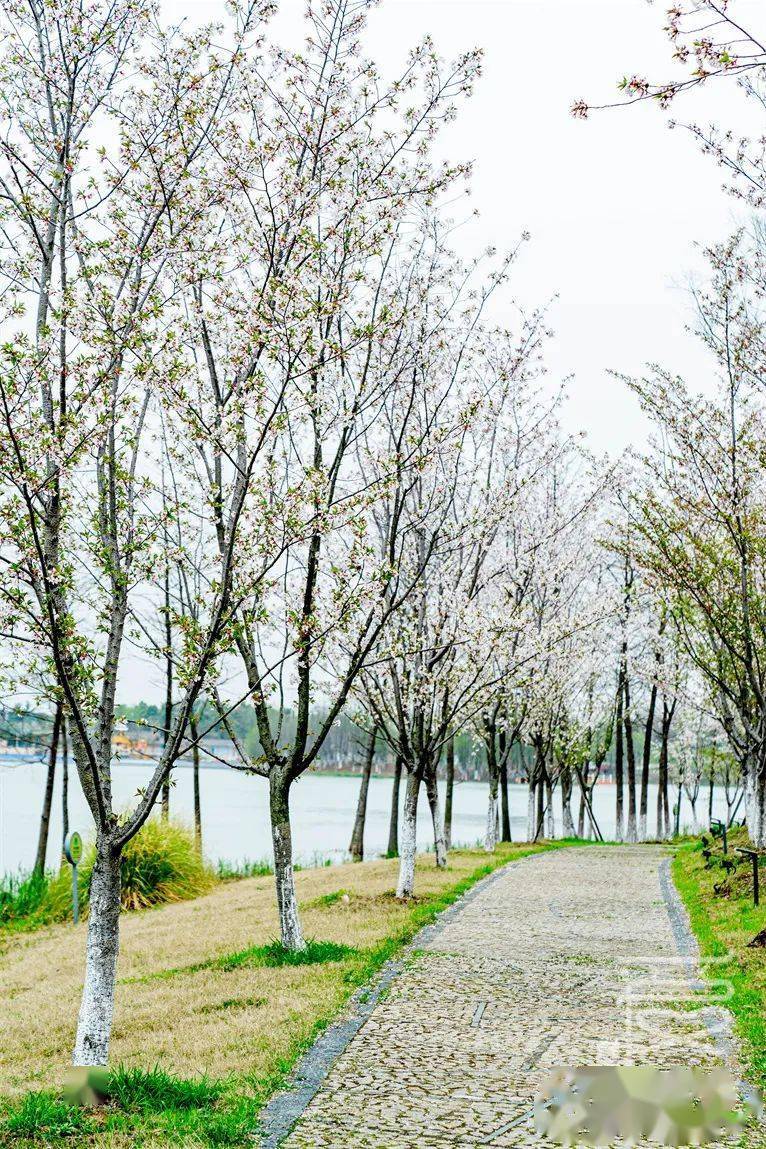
{"points": [[724, 923], [209, 1017]]}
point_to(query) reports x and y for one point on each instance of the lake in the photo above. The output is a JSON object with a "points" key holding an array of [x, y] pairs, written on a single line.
{"points": [[235, 813]]}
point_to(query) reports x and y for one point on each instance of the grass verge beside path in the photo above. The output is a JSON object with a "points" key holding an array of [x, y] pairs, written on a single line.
{"points": [[210, 1018], [725, 921]]}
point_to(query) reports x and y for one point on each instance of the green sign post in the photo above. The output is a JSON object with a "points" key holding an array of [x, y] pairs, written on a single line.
{"points": [[73, 853]]}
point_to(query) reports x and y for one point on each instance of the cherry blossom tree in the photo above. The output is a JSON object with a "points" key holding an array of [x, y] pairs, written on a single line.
{"points": [[700, 517], [93, 180], [315, 290], [435, 664], [567, 606]]}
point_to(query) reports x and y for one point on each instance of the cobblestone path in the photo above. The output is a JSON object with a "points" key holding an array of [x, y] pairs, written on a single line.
{"points": [[567, 958]]}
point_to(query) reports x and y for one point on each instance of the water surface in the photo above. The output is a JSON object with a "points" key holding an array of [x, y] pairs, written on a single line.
{"points": [[235, 812]]}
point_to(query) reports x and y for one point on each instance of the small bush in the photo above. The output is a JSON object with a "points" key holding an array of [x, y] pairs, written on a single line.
{"points": [[42, 1117], [160, 864]]}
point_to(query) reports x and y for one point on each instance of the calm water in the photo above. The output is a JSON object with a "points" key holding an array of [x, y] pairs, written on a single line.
{"points": [[235, 813]]}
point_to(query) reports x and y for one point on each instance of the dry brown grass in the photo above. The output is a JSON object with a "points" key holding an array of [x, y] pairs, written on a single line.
{"points": [[181, 1021]]}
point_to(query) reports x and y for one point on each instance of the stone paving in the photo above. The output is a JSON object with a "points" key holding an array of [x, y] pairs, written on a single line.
{"points": [[567, 958]]}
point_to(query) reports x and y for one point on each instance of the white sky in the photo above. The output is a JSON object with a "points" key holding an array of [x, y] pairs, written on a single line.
{"points": [[615, 205]]}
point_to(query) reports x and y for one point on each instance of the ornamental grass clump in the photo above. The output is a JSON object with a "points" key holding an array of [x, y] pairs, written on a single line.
{"points": [[22, 896], [160, 864]]}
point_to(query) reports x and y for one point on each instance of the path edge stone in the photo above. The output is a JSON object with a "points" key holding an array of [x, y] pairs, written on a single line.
{"points": [[280, 1115]]}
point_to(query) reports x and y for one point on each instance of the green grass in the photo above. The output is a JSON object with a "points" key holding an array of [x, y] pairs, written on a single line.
{"points": [[235, 1003], [272, 955], [154, 1089], [22, 897], [326, 899], [154, 1108], [725, 922], [235, 871], [44, 1117]]}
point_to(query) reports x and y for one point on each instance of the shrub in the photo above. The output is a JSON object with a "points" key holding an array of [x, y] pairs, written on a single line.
{"points": [[160, 864]]}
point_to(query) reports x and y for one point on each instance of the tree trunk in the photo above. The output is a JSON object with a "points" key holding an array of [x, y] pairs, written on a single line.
{"points": [[643, 828], [287, 902], [440, 842], [490, 835], [64, 783], [45, 817], [662, 784], [755, 804], [663, 797], [408, 847], [711, 795], [356, 849], [94, 1024], [550, 817], [679, 799], [194, 731], [540, 818], [505, 832], [749, 784], [585, 773], [695, 823], [531, 804], [393, 825], [759, 837], [450, 792], [619, 764], [168, 691], [567, 821], [632, 834]]}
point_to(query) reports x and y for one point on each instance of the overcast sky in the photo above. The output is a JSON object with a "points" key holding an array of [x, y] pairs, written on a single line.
{"points": [[615, 205]]}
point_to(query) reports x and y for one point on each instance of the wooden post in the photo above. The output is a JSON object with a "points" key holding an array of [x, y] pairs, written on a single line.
{"points": [[755, 857]]}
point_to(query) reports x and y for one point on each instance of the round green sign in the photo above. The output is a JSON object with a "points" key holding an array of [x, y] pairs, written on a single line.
{"points": [[73, 848]]}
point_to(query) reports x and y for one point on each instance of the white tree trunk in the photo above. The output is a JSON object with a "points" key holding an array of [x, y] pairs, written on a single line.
{"points": [[759, 828], [94, 1024], [642, 828], [490, 836], [755, 803], [550, 817], [408, 838], [284, 875], [631, 834], [567, 821], [531, 820], [695, 821]]}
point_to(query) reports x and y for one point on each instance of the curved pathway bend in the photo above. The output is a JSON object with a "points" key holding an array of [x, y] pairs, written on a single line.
{"points": [[573, 957]]}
